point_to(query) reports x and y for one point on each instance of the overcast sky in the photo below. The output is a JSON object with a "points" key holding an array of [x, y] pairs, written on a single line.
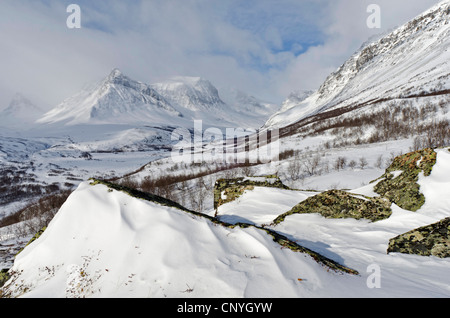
{"points": [[267, 48]]}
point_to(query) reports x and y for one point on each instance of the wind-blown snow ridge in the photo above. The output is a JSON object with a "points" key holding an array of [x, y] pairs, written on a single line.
{"points": [[107, 242]]}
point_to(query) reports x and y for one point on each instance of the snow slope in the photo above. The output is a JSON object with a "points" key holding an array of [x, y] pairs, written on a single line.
{"points": [[360, 243], [261, 205], [105, 243], [413, 60], [193, 93]]}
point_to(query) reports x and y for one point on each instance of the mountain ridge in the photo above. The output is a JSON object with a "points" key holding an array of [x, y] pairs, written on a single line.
{"points": [[178, 101]]}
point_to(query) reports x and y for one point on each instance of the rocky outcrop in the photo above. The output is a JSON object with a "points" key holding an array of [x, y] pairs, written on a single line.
{"points": [[342, 204], [227, 190], [399, 182], [430, 240]]}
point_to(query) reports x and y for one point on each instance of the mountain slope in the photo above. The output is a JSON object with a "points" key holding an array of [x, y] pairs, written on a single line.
{"points": [[193, 93], [413, 60], [196, 97], [247, 110]]}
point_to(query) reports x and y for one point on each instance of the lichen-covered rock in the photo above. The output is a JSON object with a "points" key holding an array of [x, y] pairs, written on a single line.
{"points": [[399, 182], [342, 204], [4, 276], [227, 190], [430, 240]]}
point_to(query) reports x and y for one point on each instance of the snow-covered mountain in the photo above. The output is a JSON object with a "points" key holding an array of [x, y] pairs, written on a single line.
{"points": [[193, 93], [294, 99], [198, 98], [413, 60], [179, 101], [19, 112], [248, 106], [116, 99]]}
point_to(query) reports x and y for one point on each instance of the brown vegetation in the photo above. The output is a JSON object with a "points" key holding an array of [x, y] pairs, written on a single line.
{"points": [[35, 216], [400, 119]]}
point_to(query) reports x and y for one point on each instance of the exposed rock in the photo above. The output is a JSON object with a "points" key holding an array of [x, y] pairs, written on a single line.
{"points": [[402, 188], [4, 276], [430, 240], [342, 204], [227, 190]]}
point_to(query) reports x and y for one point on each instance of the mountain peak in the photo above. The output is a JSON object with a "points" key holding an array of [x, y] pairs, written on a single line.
{"points": [[117, 99], [117, 77], [193, 93], [115, 73]]}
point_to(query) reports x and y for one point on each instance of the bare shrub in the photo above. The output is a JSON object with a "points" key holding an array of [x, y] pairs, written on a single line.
{"points": [[352, 164], [311, 165], [379, 162], [437, 134], [417, 144], [198, 195], [247, 171], [363, 162], [434, 135], [400, 119], [129, 182], [286, 154], [35, 216], [294, 169], [443, 105], [340, 163]]}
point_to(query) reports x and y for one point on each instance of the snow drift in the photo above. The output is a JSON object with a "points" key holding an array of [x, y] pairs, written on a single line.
{"points": [[106, 243]]}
